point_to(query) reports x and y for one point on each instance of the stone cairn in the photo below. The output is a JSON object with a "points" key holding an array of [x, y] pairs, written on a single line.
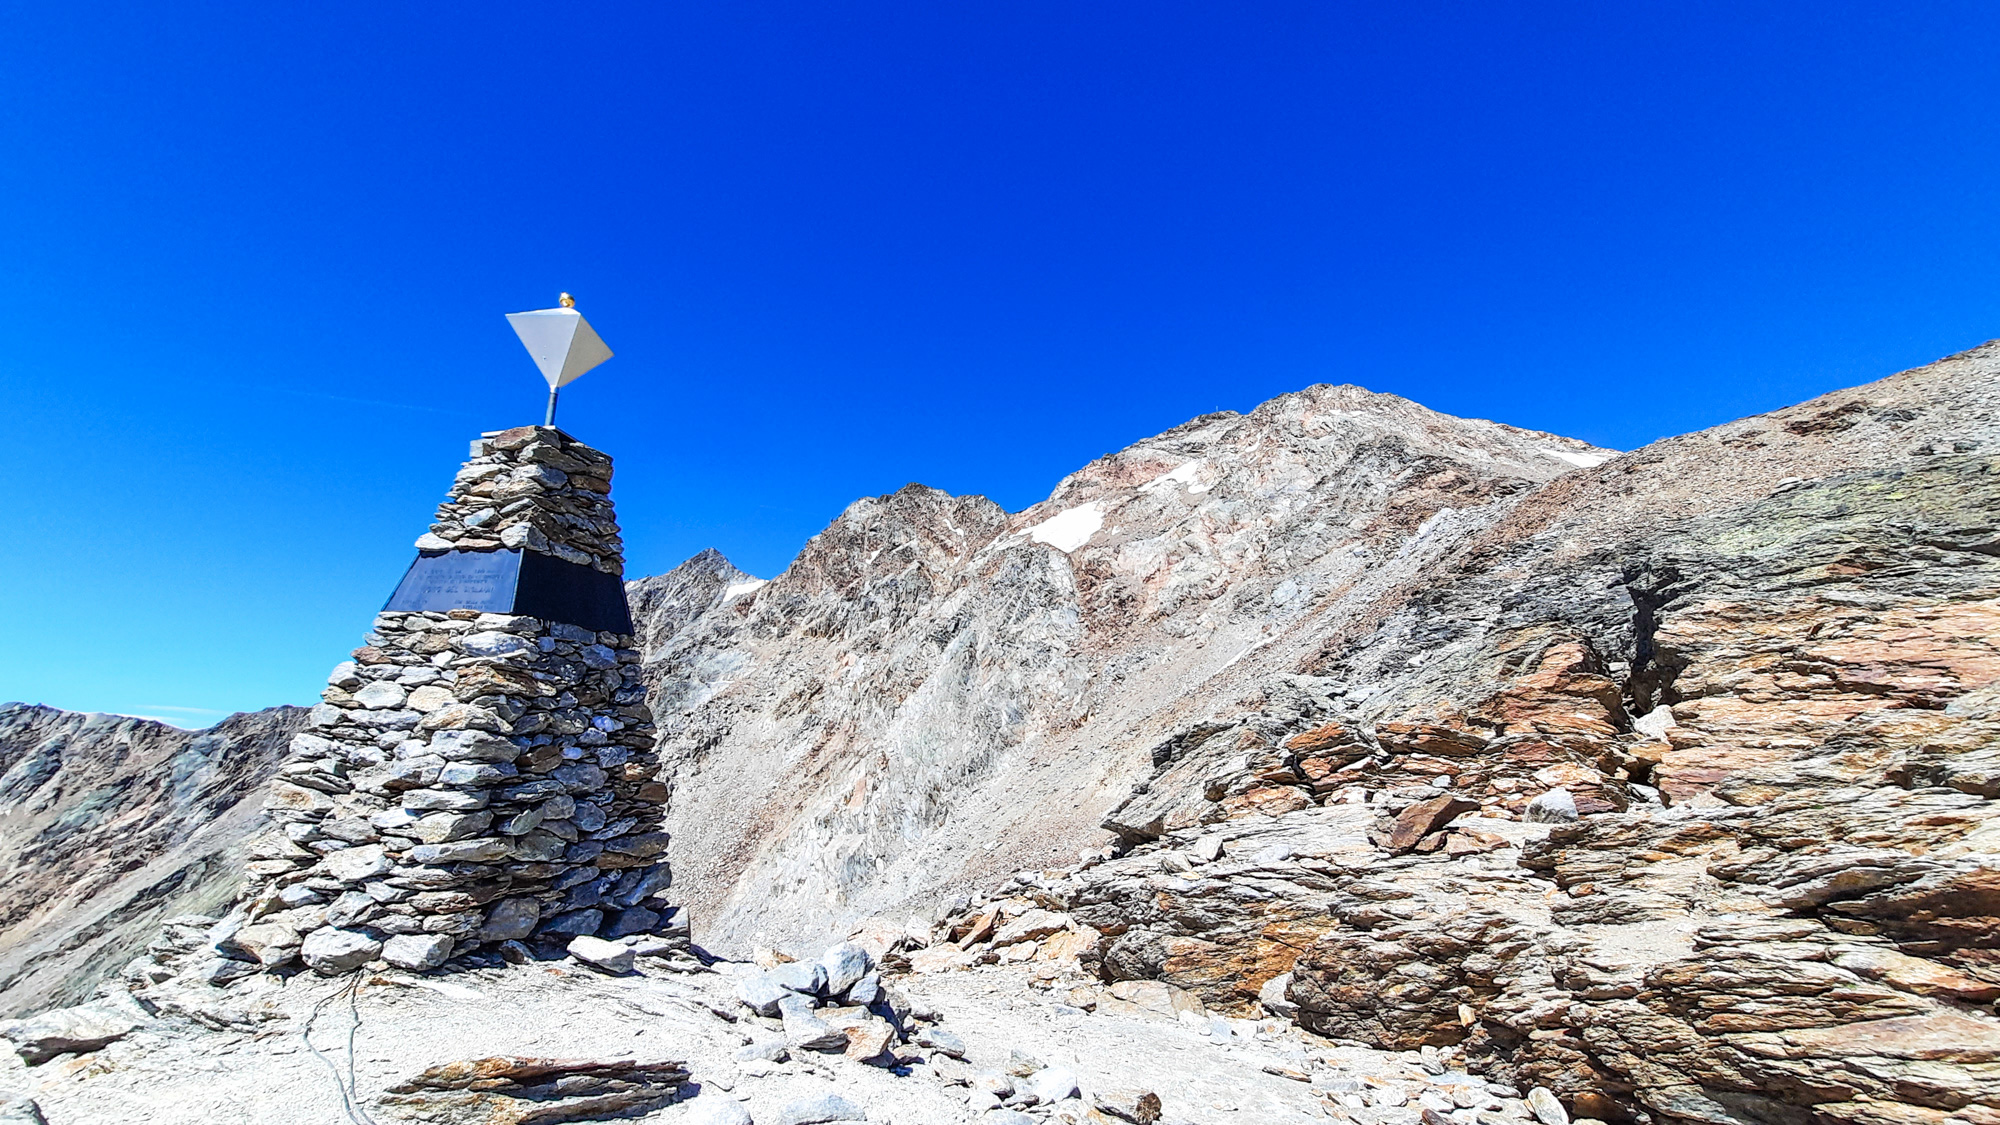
{"points": [[475, 780], [534, 488]]}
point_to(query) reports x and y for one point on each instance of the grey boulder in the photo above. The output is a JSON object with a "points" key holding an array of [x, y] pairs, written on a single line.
{"points": [[1272, 997], [330, 950], [268, 944], [1553, 807], [632, 920], [356, 865], [865, 991], [942, 1040], [805, 1031], [761, 994], [610, 956], [819, 1109], [844, 965], [511, 918], [804, 977], [86, 1027], [1052, 1085], [420, 952]]}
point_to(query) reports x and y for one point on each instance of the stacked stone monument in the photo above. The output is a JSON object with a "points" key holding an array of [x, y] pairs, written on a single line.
{"points": [[481, 774]]}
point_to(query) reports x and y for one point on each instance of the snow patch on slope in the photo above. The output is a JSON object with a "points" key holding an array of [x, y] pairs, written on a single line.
{"points": [[738, 589], [1580, 460], [1067, 530], [1184, 474]]}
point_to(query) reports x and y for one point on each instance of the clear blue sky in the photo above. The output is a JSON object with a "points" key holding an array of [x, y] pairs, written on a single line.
{"points": [[253, 261]]}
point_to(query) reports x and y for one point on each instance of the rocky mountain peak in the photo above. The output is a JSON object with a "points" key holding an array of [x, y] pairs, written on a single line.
{"points": [[932, 661], [915, 534], [1326, 425]]}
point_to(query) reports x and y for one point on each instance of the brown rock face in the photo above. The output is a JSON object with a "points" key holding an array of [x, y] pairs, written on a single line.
{"points": [[1424, 818], [1401, 986]]}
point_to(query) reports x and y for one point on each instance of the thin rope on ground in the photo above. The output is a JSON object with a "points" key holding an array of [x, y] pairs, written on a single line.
{"points": [[350, 1094]]}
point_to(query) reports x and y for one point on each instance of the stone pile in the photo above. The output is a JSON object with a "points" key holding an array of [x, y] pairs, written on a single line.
{"points": [[836, 1003], [473, 779], [533, 488], [841, 1004]]}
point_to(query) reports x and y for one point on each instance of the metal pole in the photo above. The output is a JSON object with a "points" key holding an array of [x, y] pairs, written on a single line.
{"points": [[550, 420]]}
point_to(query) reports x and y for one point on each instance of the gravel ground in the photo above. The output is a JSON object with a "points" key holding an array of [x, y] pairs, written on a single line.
{"points": [[173, 1070]]}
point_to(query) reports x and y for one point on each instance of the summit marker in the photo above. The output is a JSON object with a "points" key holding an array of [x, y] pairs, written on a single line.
{"points": [[562, 344]]}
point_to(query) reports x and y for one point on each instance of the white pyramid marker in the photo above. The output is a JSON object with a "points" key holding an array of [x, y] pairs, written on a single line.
{"points": [[563, 345]]}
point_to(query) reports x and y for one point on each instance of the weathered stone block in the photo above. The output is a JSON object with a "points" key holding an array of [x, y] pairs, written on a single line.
{"points": [[330, 951], [444, 827], [473, 746], [418, 952], [607, 955], [510, 918], [463, 925], [539, 847], [632, 920], [479, 850], [450, 800], [575, 922], [842, 965], [461, 716], [466, 774], [355, 865]]}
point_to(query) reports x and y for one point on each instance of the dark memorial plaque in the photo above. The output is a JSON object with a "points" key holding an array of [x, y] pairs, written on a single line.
{"points": [[446, 580], [512, 581]]}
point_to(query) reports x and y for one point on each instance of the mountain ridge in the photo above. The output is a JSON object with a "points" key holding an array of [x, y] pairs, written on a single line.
{"points": [[109, 824], [1663, 787], [940, 543]]}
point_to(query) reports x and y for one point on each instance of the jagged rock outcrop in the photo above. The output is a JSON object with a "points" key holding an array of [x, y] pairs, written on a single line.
{"points": [[110, 824], [518, 1091], [1660, 780], [1758, 663]]}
